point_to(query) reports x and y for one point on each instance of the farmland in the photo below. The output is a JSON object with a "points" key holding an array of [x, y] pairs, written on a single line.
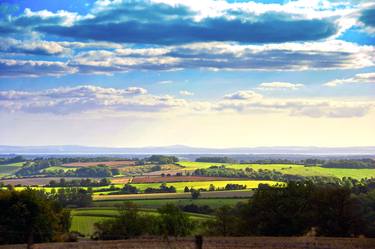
{"points": [[293, 169], [251, 184]]}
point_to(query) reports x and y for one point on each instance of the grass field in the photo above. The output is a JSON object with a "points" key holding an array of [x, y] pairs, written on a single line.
{"points": [[83, 220], [204, 184], [156, 203], [9, 169], [292, 169], [85, 224]]}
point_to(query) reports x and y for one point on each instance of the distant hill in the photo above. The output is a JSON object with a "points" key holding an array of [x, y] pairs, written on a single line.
{"points": [[180, 149]]}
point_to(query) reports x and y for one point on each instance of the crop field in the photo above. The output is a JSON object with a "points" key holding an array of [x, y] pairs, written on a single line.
{"points": [[109, 164], [156, 203], [250, 184], [292, 169]]}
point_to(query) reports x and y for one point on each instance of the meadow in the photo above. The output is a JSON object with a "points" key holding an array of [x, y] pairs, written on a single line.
{"points": [[84, 219], [10, 169]]}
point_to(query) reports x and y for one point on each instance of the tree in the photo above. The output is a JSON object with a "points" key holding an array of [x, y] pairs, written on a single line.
{"points": [[29, 216], [195, 193], [224, 223], [129, 224], [174, 222], [186, 189], [211, 188]]}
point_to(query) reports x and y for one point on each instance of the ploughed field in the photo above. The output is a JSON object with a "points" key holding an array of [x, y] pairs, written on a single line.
{"points": [[216, 242]]}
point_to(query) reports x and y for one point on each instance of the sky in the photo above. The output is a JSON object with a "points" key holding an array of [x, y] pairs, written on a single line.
{"points": [[206, 73]]}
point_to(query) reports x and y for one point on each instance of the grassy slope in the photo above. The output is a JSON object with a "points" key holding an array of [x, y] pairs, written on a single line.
{"points": [[290, 169], [9, 169]]}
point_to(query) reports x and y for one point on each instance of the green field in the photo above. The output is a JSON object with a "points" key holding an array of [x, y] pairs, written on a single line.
{"points": [[292, 169], [85, 224], [204, 184], [10, 169], [156, 203], [83, 220]]}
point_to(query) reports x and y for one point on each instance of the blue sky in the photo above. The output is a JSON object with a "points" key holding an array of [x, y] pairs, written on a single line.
{"points": [[201, 73]]}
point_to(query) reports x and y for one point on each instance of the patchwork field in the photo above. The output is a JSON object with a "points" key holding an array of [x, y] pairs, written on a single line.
{"points": [[292, 169]]}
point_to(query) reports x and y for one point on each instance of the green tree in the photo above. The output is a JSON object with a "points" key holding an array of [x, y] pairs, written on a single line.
{"points": [[29, 216], [174, 222], [195, 193]]}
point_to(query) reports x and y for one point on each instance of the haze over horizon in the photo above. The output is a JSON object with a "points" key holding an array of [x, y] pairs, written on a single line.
{"points": [[208, 74]]}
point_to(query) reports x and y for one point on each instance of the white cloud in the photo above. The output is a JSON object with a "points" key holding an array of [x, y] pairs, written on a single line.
{"points": [[230, 56], [91, 99], [244, 95], [186, 93], [362, 78], [279, 86], [32, 68], [35, 47], [251, 102]]}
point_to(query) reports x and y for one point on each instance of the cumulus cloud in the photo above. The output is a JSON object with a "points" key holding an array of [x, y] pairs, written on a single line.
{"points": [[166, 22], [30, 68], [85, 99], [32, 47], [244, 102], [279, 86], [362, 78], [244, 95], [88, 98], [367, 18], [186, 93], [229, 56]]}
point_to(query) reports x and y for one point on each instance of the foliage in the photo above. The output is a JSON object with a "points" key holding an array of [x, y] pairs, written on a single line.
{"points": [[160, 159], [351, 164], [30, 216], [72, 197], [195, 193], [162, 189], [216, 159], [79, 183], [174, 222]]}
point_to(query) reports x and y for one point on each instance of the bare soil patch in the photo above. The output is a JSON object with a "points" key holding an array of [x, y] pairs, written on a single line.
{"points": [[216, 242]]}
